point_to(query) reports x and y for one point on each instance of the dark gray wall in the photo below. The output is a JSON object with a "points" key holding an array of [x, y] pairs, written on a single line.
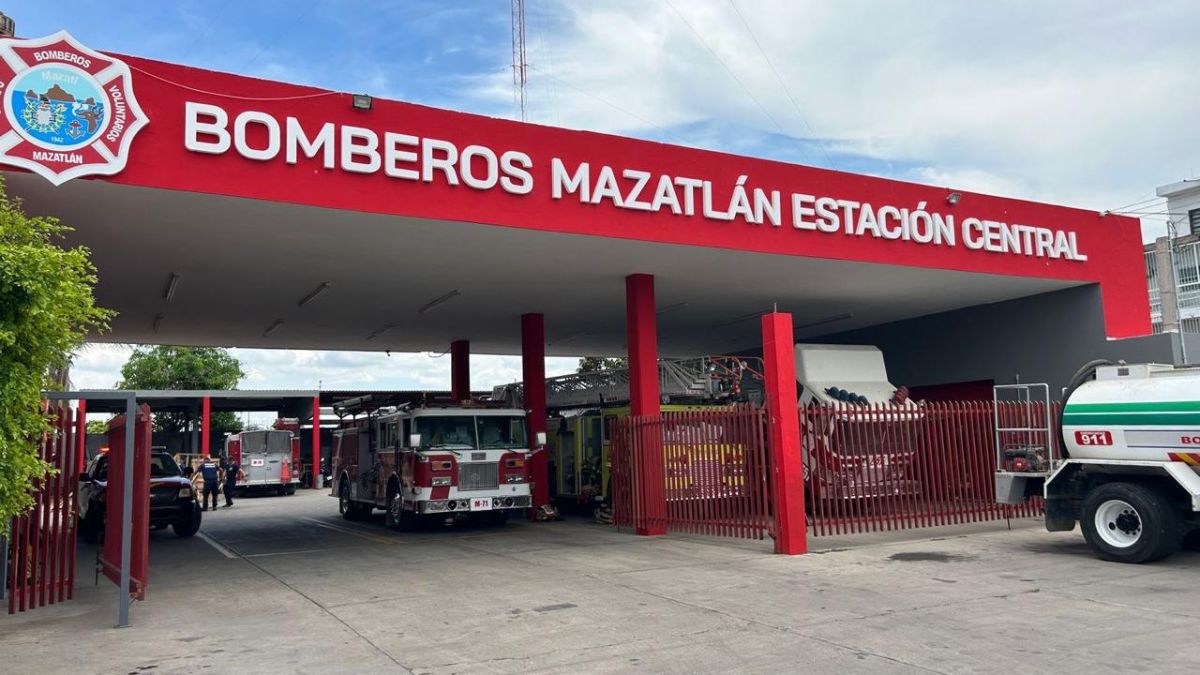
{"points": [[1042, 338]]}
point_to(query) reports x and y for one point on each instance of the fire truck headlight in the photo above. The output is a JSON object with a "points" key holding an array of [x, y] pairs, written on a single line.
{"points": [[515, 478], [441, 481]]}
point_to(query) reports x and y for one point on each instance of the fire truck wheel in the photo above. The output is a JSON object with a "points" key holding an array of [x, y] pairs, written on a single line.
{"points": [[348, 509], [396, 517]]}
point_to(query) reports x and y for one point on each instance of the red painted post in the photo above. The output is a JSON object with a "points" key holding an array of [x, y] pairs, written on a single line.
{"points": [[316, 443], [787, 465], [642, 348], [205, 425], [533, 378], [81, 452], [460, 370]]}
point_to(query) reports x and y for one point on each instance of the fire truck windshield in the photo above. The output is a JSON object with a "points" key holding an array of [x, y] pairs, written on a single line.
{"points": [[468, 431], [501, 432]]}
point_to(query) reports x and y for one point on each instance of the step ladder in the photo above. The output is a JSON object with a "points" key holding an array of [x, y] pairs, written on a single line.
{"points": [[1026, 451]]}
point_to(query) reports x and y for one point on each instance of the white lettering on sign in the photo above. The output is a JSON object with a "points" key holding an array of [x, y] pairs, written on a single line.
{"points": [[60, 55], [261, 137]]}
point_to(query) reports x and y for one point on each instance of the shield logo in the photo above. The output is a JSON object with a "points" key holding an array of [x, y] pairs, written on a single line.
{"points": [[68, 111]]}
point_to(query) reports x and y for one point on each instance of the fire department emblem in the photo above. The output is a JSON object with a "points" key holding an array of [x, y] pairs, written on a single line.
{"points": [[68, 111]]}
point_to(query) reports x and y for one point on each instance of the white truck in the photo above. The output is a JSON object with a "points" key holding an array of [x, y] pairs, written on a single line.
{"points": [[1130, 468], [858, 427], [269, 460]]}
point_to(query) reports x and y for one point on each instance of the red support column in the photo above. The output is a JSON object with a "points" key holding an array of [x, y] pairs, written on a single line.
{"points": [[205, 425], [642, 348], [81, 451], [783, 434], [460, 370], [533, 378], [316, 442]]}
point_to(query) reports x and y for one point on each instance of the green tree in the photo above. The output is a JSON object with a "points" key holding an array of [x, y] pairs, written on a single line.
{"points": [[164, 367], [592, 364], [46, 309]]}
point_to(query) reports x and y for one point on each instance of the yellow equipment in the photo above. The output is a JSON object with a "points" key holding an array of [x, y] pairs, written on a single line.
{"points": [[579, 443]]}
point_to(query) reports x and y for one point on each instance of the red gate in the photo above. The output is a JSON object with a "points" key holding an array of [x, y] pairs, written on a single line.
{"points": [[41, 553], [876, 468], [714, 467], [133, 530]]}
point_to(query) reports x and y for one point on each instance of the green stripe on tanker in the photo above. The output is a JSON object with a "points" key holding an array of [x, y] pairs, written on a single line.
{"points": [[1136, 419], [1138, 406]]}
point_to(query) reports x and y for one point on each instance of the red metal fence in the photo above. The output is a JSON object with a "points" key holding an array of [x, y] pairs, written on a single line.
{"points": [[713, 468], [878, 467], [41, 552]]}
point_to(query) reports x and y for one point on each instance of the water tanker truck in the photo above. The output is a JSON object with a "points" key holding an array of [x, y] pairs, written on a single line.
{"points": [[1129, 472]]}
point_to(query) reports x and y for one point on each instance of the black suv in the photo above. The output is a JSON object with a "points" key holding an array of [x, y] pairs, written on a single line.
{"points": [[172, 500]]}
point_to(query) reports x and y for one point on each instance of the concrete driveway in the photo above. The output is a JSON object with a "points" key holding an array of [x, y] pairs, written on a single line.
{"points": [[282, 584]]}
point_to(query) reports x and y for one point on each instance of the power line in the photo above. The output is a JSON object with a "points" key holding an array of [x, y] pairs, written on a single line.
{"points": [[1140, 202], [796, 106], [721, 61]]}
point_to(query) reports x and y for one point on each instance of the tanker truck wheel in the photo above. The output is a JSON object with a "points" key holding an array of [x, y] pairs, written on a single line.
{"points": [[1130, 523]]}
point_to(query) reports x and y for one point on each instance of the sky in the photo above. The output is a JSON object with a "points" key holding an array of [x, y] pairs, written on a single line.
{"points": [[1089, 103]]}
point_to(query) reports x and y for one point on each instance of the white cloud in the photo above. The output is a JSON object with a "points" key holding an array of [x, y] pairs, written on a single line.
{"points": [[1077, 102]]}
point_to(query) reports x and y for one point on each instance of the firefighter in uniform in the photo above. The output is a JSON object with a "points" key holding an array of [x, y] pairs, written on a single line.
{"points": [[212, 478], [231, 475]]}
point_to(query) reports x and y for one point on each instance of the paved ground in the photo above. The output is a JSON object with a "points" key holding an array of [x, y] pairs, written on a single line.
{"points": [[289, 587]]}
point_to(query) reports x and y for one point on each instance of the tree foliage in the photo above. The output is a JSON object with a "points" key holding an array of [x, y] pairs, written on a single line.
{"points": [[592, 364], [46, 309], [164, 367]]}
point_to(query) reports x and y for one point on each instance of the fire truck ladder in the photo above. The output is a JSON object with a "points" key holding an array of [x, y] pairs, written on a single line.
{"points": [[705, 378]]}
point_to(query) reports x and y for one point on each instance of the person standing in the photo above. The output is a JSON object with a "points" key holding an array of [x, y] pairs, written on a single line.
{"points": [[231, 478], [211, 472]]}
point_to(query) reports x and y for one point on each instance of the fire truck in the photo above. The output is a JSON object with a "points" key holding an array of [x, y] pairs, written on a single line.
{"points": [[269, 458], [431, 461]]}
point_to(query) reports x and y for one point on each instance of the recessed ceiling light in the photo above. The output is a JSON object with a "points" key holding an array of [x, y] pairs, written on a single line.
{"points": [[437, 301], [380, 331], [172, 286], [740, 319], [313, 294]]}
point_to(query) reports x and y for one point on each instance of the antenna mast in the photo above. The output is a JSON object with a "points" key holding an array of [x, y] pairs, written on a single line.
{"points": [[518, 54]]}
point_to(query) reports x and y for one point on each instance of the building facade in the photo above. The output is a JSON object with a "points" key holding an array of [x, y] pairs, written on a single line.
{"points": [[1173, 262]]}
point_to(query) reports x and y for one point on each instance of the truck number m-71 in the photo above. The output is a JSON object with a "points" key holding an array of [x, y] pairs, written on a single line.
{"points": [[1093, 438]]}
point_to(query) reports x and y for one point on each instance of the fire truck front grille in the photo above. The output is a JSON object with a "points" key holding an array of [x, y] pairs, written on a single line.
{"points": [[479, 476]]}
